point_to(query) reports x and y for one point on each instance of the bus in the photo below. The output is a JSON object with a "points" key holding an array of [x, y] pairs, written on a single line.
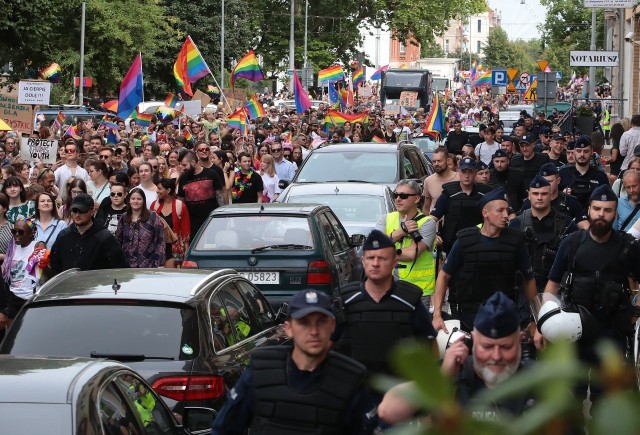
{"points": [[417, 81]]}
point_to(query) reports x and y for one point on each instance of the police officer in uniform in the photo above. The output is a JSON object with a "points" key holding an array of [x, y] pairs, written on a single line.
{"points": [[458, 203], [528, 160], [582, 179], [544, 228], [304, 389], [380, 311], [592, 267], [483, 261], [414, 234], [509, 178]]}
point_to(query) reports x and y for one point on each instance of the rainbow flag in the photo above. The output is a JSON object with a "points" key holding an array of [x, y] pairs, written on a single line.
{"points": [[483, 80], [358, 76], [254, 108], [435, 119], [237, 119], [109, 124], [171, 100], [57, 123], [474, 70], [187, 135], [131, 89], [338, 118], [331, 74], [112, 139], [377, 75], [190, 66], [73, 132], [248, 68], [213, 91], [300, 95], [143, 119], [377, 139], [111, 106]]}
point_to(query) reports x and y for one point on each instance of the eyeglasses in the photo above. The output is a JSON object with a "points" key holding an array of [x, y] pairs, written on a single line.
{"points": [[118, 194], [104, 157], [276, 150], [204, 150], [17, 232], [397, 195]]}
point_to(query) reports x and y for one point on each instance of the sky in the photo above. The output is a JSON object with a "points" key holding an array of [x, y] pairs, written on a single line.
{"points": [[519, 20]]}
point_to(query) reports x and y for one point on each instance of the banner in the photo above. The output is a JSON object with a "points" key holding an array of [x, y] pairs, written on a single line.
{"points": [[18, 116], [32, 149]]}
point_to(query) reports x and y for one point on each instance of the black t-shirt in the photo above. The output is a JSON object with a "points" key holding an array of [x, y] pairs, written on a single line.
{"points": [[199, 193], [252, 190]]}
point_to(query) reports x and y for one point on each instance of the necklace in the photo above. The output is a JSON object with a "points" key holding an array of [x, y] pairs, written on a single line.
{"points": [[240, 183]]}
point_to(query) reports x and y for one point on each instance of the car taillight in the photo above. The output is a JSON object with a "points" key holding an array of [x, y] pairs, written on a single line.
{"points": [[187, 264], [187, 388], [319, 272]]}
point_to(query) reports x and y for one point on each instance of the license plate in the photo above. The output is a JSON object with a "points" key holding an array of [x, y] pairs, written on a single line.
{"points": [[262, 277]]}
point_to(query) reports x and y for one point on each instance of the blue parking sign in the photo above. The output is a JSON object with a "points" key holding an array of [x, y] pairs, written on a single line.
{"points": [[499, 77]]}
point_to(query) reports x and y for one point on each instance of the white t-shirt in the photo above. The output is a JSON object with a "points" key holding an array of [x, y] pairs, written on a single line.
{"points": [[22, 283], [150, 195], [271, 185], [98, 193], [63, 173], [484, 151]]}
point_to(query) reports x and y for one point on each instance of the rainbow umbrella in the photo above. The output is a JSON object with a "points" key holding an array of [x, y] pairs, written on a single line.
{"points": [[111, 106]]}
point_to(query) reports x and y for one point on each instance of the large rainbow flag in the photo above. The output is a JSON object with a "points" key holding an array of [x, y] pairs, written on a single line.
{"points": [[378, 74], [190, 66], [131, 89], [483, 80], [254, 108], [358, 76], [237, 119], [435, 120], [248, 68], [337, 119], [300, 95], [331, 74]]}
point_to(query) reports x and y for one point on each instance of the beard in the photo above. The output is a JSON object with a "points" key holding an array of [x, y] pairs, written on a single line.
{"points": [[600, 227], [440, 169], [488, 374], [191, 171]]}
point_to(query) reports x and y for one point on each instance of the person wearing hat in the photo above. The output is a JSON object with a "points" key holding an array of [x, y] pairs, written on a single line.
{"points": [[582, 179], [482, 176], [544, 229], [484, 260], [561, 202], [493, 358], [528, 160], [303, 387], [593, 267], [84, 245], [557, 154], [571, 147], [380, 311], [458, 203], [508, 144], [510, 178], [544, 139]]}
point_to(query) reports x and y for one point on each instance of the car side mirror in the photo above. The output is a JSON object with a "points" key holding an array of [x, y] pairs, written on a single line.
{"points": [[283, 313], [282, 184], [198, 419], [358, 239]]}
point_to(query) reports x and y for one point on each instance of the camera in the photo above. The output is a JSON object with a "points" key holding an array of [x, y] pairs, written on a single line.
{"points": [[628, 36], [456, 334], [414, 235]]}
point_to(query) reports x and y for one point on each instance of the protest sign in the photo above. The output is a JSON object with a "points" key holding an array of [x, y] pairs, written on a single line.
{"points": [[38, 149], [18, 116]]}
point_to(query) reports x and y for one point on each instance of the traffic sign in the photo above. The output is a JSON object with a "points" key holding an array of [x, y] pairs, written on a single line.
{"points": [[499, 78], [511, 89], [512, 73], [524, 78], [543, 64], [558, 75], [532, 92]]}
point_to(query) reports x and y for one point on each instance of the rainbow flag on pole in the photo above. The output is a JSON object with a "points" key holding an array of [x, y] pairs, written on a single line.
{"points": [[73, 132], [57, 123], [331, 74], [189, 66], [483, 80], [237, 119], [109, 124], [358, 76], [435, 119], [143, 119], [303, 102], [171, 100], [338, 118], [254, 108], [378, 74], [187, 135], [248, 68], [131, 89]]}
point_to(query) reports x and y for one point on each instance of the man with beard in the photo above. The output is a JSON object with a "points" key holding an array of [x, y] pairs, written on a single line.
{"points": [[582, 179], [629, 207], [509, 178], [456, 138], [494, 358], [508, 145], [433, 183], [593, 267]]}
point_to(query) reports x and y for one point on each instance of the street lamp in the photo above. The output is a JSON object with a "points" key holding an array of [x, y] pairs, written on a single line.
{"points": [[222, 51]]}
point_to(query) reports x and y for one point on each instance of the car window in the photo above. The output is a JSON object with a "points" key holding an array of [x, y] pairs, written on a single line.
{"points": [[421, 171], [374, 167], [343, 239], [231, 319], [85, 329], [260, 308], [407, 164], [223, 335], [116, 415], [348, 208], [327, 229], [146, 404]]}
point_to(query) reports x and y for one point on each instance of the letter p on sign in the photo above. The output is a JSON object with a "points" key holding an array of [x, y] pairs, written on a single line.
{"points": [[499, 78]]}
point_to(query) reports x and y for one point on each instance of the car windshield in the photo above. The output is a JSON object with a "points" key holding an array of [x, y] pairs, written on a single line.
{"points": [[82, 328], [426, 144], [348, 208], [349, 165], [229, 233]]}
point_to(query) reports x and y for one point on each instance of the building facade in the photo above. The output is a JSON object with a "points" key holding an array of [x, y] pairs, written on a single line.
{"points": [[470, 34]]}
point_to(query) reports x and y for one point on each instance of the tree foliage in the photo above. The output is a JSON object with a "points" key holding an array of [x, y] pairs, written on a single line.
{"points": [[520, 54]]}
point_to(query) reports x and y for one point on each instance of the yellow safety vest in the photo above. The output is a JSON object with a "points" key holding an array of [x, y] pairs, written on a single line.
{"points": [[420, 272], [606, 121]]}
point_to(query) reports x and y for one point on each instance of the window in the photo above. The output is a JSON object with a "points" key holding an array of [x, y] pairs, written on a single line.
{"points": [[116, 417], [479, 47], [231, 321], [331, 236], [446, 46], [260, 308], [409, 170], [343, 239], [403, 49], [479, 26]]}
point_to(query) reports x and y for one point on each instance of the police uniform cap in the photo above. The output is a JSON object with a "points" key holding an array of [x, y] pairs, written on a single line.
{"points": [[310, 301], [603, 193], [500, 153], [583, 142], [507, 138], [527, 138], [497, 317], [377, 240], [467, 163], [548, 169], [545, 130], [481, 166], [571, 145], [538, 182], [494, 195], [636, 151], [558, 136]]}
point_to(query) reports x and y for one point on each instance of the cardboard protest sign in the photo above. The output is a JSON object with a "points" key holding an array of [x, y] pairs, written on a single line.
{"points": [[32, 149]]}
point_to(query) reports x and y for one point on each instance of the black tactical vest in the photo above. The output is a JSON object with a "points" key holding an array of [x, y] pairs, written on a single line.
{"points": [[463, 210], [488, 268], [281, 410], [372, 329]]}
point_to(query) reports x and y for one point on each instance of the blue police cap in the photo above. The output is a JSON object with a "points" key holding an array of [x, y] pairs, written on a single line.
{"points": [[527, 138], [548, 169], [545, 130], [481, 166], [497, 317], [558, 136], [571, 145], [377, 240], [494, 195], [603, 193], [500, 153], [507, 138], [310, 301], [467, 163], [583, 142], [538, 182]]}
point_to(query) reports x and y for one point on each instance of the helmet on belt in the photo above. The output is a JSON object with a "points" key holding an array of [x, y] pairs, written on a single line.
{"points": [[558, 323], [445, 340]]}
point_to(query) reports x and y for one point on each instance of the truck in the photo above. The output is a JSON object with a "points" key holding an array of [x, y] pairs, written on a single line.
{"points": [[418, 84], [443, 71]]}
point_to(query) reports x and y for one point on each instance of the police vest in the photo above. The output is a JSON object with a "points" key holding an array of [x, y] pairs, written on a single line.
{"points": [[372, 329], [512, 182], [281, 410], [421, 271], [487, 268], [581, 186], [463, 210]]}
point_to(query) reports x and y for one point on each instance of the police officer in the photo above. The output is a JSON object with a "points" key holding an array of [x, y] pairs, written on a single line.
{"points": [[509, 178], [483, 261], [380, 311], [582, 179], [557, 154], [528, 160], [414, 234], [560, 201], [458, 203], [544, 228], [301, 389]]}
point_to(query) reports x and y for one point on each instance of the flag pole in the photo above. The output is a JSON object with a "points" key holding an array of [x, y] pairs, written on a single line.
{"points": [[221, 91]]}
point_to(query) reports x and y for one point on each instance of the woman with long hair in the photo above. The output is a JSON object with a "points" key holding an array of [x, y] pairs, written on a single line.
{"points": [[221, 159], [296, 155], [5, 226], [74, 187], [22, 172], [141, 233], [176, 215], [175, 170], [134, 176], [19, 206], [615, 161], [98, 186], [269, 179], [146, 183], [163, 167], [47, 221]]}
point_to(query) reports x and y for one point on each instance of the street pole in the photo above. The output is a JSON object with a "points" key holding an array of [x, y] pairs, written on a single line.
{"points": [[291, 47], [222, 52], [620, 66], [81, 88], [306, 22], [592, 69]]}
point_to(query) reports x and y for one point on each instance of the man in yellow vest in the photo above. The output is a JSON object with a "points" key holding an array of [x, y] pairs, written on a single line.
{"points": [[606, 124], [414, 234]]}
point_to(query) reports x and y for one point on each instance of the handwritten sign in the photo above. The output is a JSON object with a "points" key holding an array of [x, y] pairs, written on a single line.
{"points": [[38, 149], [18, 116], [408, 98], [34, 92], [392, 109]]}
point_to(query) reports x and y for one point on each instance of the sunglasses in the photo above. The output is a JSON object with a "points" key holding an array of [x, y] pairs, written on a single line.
{"points": [[70, 151], [78, 211], [396, 195], [203, 150], [17, 232], [118, 194], [276, 150], [103, 157]]}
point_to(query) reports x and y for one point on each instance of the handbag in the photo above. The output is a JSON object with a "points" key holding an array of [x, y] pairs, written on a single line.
{"points": [[169, 235]]}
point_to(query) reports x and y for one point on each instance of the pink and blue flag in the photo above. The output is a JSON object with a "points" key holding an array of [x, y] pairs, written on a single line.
{"points": [[378, 74], [131, 89], [300, 95]]}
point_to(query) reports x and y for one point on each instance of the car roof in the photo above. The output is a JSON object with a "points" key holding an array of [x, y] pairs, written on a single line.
{"points": [[37, 379], [270, 208], [345, 188], [371, 147], [168, 285]]}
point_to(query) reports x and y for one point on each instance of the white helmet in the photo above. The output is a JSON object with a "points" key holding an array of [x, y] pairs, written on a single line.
{"points": [[445, 340], [556, 324]]}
